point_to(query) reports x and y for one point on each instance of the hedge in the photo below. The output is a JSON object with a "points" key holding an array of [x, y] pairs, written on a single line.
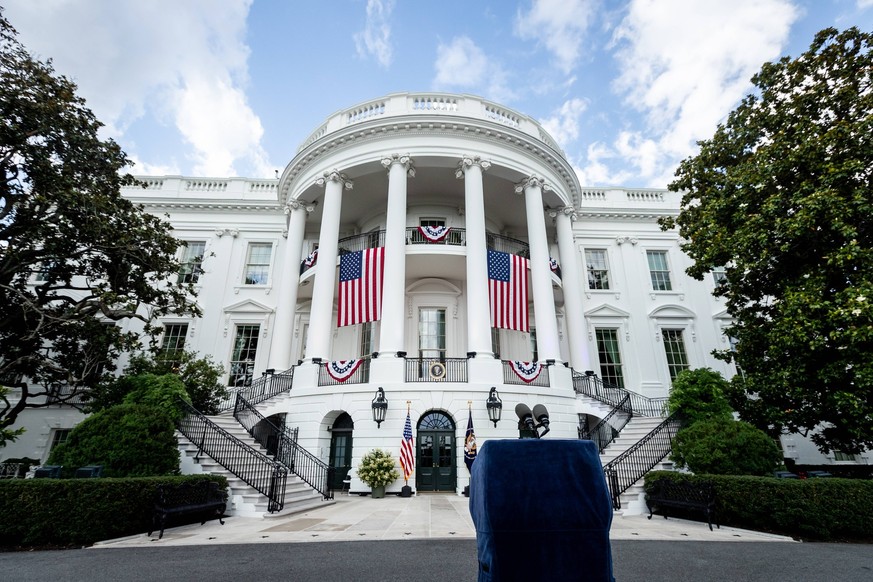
{"points": [[72, 512], [829, 509]]}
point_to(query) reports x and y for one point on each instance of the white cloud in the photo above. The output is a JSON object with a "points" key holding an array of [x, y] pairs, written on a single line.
{"points": [[563, 124], [559, 25], [863, 4], [184, 63], [461, 64], [375, 39]]}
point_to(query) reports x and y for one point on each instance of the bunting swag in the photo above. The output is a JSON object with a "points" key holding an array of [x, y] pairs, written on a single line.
{"points": [[434, 233], [470, 444], [553, 264], [360, 287], [342, 370], [508, 290], [527, 371], [310, 260]]}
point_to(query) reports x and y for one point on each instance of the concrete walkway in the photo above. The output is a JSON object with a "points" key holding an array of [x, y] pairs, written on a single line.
{"points": [[425, 516]]}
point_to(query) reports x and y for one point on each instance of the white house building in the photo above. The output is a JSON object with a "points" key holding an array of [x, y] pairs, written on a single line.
{"points": [[418, 204]]}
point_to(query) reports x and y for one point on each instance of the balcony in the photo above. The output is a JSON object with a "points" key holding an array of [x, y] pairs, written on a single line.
{"points": [[436, 369]]}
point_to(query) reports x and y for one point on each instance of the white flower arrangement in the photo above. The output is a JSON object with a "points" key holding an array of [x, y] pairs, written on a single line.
{"points": [[377, 468]]}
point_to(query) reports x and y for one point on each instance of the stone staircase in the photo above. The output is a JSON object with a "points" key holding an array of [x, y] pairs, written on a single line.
{"points": [[633, 501], [244, 500]]}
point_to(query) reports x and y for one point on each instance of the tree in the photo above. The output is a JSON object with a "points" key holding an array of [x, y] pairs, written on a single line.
{"points": [[724, 446], [700, 394], [782, 197], [75, 256]]}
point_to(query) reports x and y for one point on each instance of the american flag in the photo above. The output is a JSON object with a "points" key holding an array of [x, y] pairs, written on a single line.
{"points": [[508, 290], [360, 287], [407, 452]]}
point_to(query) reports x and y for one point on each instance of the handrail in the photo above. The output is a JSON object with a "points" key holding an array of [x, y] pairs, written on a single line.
{"points": [[604, 432], [436, 369], [360, 242], [262, 473], [591, 385], [456, 237], [298, 460], [630, 466], [266, 386], [506, 244], [360, 376]]}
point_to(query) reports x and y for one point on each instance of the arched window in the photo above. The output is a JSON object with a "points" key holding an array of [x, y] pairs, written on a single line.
{"points": [[436, 420]]}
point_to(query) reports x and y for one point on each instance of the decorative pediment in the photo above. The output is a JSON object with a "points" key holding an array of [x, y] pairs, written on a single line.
{"points": [[606, 311], [672, 311], [248, 306], [723, 315]]}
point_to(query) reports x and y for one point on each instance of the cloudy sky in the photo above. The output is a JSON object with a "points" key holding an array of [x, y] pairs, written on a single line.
{"points": [[232, 87]]}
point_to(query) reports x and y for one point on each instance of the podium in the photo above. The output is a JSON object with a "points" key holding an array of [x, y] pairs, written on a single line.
{"points": [[541, 510]]}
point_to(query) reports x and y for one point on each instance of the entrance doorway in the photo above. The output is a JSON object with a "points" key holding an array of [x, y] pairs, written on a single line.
{"points": [[435, 453], [341, 449]]}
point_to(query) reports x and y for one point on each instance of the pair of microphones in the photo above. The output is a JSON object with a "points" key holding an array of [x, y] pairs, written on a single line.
{"points": [[533, 420]]}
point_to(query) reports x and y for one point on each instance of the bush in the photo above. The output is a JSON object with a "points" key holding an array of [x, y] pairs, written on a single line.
{"points": [[377, 468], [725, 447], [699, 394], [64, 512], [162, 392], [813, 509], [129, 440]]}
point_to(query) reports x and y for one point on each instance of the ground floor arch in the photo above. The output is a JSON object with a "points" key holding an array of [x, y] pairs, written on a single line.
{"points": [[435, 462]]}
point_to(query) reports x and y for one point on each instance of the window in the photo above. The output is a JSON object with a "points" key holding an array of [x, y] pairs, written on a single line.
{"points": [[432, 333], [533, 345], [368, 338], [845, 457], [718, 276], [495, 341], [659, 271], [41, 274], [258, 263], [174, 338], [59, 437], [192, 261], [432, 222], [598, 269], [674, 348], [610, 357], [245, 348]]}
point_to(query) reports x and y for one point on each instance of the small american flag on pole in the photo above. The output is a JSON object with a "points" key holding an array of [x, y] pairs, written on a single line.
{"points": [[360, 286], [508, 290], [407, 452]]}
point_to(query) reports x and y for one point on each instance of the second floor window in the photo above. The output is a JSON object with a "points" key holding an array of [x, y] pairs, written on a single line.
{"points": [[659, 270], [598, 269], [258, 263], [174, 338], [719, 277], [192, 262], [368, 338]]}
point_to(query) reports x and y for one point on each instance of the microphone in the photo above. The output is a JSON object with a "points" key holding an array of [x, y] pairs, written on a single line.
{"points": [[542, 416], [525, 416]]}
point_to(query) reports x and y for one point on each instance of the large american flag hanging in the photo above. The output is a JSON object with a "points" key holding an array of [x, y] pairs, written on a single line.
{"points": [[508, 290], [360, 287], [407, 451]]}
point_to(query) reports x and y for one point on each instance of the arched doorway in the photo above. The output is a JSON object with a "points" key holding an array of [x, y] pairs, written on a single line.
{"points": [[341, 449], [435, 454]]}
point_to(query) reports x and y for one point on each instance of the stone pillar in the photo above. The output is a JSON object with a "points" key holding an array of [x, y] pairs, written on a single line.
{"points": [[286, 308], [478, 311], [391, 337], [321, 318], [573, 284], [548, 346]]}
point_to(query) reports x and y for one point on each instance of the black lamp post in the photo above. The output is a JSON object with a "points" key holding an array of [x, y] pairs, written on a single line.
{"points": [[380, 407], [494, 405]]}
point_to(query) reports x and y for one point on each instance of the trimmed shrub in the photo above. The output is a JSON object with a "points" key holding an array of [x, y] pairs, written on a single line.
{"points": [[725, 447], [129, 440], [699, 394], [162, 392]]}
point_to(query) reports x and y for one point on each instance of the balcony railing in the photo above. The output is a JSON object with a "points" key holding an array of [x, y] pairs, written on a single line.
{"points": [[65, 395], [456, 237], [505, 244], [510, 377], [593, 386], [360, 376], [360, 242], [436, 369]]}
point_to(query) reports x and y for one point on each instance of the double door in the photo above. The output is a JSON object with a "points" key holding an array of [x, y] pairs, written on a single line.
{"points": [[435, 461]]}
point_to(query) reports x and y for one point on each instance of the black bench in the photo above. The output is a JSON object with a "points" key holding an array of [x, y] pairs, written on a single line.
{"points": [[48, 472], [667, 494], [201, 498]]}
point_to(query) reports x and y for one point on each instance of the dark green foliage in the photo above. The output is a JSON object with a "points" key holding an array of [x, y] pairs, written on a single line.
{"points": [[129, 440], [161, 392], [699, 394], [201, 376], [99, 258], [782, 197], [39, 512], [725, 447], [813, 509]]}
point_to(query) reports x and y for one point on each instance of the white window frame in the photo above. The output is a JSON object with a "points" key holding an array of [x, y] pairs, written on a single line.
{"points": [[668, 270], [191, 266], [617, 331], [269, 265], [589, 269]]}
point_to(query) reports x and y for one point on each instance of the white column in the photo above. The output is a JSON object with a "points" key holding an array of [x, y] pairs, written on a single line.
{"points": [[321, 320], [548, 347], [391, 339], [572, 284], [478, 312], [286, 308]]}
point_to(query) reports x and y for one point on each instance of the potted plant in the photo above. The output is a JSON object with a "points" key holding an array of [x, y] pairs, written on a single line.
{"points": [[377, 470]]}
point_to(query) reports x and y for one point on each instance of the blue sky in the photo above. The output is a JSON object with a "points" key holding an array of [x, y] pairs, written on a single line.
{"points": [[232, 87]]}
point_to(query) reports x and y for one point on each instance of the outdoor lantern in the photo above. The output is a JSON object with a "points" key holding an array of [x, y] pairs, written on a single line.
{"points": [[380, 406], [495, 406]]}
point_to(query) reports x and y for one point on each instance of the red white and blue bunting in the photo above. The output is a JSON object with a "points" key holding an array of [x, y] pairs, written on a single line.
{"points": [[342, 370], [311, 259], [553, 264], [527, 371], [434, 233]]}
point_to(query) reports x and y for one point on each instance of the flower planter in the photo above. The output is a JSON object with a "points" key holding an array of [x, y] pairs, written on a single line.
{"points": [[379, 492]]}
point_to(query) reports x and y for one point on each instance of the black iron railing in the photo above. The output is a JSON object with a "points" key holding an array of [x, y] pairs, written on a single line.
{"points": [[359, 242], [436, 370], [510, 377], [265, 475], [360, 376], [456, 237], [66, 395], [630, 466], [266, 386], [505, 244], [282, 443], [591, 385], [607, 430]]}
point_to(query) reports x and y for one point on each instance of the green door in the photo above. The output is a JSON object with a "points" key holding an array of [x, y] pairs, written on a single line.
{"points": [[435, 458], [341, 449]]}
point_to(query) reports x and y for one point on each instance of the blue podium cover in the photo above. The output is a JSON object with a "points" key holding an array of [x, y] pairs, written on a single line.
{"points": [[541, 510]]}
